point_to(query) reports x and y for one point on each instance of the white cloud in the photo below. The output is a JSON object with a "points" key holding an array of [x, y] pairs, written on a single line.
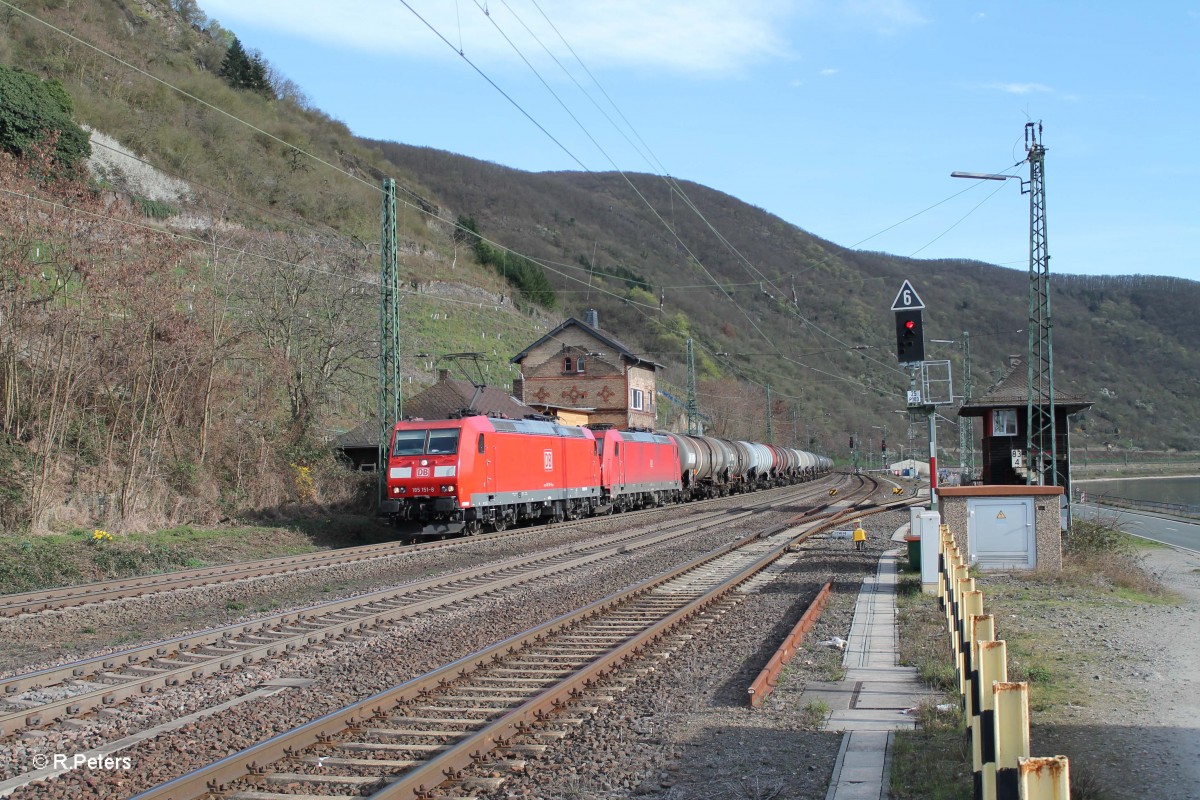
{"points": [[829, 71], [886, 16], [1019, 88], [702, 36]]}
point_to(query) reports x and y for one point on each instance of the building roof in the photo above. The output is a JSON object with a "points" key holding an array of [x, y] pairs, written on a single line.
{"points": [[438, 402], [1013, 390], [601, 336], [451, 394]]}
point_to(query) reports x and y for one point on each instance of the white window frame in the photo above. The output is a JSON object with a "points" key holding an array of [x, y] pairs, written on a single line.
{"points": [[1004, 422], [637, 400]]}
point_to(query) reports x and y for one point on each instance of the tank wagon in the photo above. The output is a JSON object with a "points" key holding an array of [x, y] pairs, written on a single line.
{"points": [[461, 475]]}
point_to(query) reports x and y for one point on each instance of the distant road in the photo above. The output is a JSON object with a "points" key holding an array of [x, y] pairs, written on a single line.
{"points": [[1179, 533]]}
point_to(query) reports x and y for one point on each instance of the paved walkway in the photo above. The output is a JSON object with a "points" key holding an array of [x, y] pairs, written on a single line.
{"points": [[870, 701]]}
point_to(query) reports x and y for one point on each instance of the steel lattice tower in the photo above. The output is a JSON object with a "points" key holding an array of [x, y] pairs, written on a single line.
{"points": [[966, 448], [1041, 442], [391, 406], [693, 414]]}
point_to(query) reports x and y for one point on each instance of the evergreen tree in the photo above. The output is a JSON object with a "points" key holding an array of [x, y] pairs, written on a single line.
{"points": [[243, 70], [257, 76], [31, 109], [235, 69]]}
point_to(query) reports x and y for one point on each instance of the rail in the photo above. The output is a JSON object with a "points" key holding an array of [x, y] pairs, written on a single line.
{"points": [[167, 663], [669, 602]]}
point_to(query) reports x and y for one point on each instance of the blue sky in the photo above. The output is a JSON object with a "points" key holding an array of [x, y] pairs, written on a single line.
{"points": [[844, 118]]}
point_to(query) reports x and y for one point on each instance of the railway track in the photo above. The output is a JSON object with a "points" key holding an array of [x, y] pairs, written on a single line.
{"points": [[12, 605], [44, 696], [484, 713]]}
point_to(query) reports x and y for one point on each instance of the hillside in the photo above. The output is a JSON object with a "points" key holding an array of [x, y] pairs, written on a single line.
{"points": [[1124, 342], [219, 396]]}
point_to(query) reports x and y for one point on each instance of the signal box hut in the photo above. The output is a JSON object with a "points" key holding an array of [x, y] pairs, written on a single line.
{"points": [[446, 398], [1012, 522], [578, 365], [1004, 410]]}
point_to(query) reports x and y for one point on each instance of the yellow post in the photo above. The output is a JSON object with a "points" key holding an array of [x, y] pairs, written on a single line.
{"points": [[993, 668], [961, 587], [943, 560], [1012, 736], [1044, 778], [983, 629], [972, 605], [959, 573]]}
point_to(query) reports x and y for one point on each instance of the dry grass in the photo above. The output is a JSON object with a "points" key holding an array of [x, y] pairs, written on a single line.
{"points": [[924, 642], [1100, 555]]}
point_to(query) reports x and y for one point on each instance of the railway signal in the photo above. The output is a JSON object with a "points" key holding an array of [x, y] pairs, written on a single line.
{"points": [[910, 338]]}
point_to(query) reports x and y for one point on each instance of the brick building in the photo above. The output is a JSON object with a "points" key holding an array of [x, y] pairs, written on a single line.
{"points": [[578, 365]]}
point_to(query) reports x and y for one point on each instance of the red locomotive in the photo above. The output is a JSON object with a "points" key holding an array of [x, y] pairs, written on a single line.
{"points": [[459, 475]]}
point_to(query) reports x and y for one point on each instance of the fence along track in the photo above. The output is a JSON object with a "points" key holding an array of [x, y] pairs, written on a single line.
{"points": [[107, 680], [494, 701], [12, 605]]}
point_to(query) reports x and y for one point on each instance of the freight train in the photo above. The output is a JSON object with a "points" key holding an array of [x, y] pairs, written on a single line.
{"points": [[464, 475]]}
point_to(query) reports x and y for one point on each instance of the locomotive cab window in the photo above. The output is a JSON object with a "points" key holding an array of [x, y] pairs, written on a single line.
{"points": [[409, 443], [481, 443], [443, 442]]}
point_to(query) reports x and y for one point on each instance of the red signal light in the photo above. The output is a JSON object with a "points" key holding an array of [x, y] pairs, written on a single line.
{"points": [[909, 324]]}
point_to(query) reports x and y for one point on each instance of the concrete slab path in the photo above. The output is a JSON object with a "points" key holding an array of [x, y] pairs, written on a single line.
{"points": [[870, 701]]}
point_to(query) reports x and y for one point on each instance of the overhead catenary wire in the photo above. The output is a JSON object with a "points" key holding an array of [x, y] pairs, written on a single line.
{"points": [[591, 138], [672, 184]]}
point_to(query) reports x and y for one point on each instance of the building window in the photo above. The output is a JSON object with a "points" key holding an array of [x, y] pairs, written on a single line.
{"points": [[579, 365], [1004, 422], [637, 400], [568, 364]]}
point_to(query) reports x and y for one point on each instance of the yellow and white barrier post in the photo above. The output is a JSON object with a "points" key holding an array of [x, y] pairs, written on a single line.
{"points": [[993, 668], [1044, 778], [983, 629], [1012, 738], [972, 606]]}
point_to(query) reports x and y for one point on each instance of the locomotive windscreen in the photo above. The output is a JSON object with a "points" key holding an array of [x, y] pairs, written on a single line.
{"points": [[435, 442]]}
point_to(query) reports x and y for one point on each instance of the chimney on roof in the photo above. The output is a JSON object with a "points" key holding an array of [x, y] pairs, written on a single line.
{"points": [[1014, 360], [443, 375], [592, 317]]}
